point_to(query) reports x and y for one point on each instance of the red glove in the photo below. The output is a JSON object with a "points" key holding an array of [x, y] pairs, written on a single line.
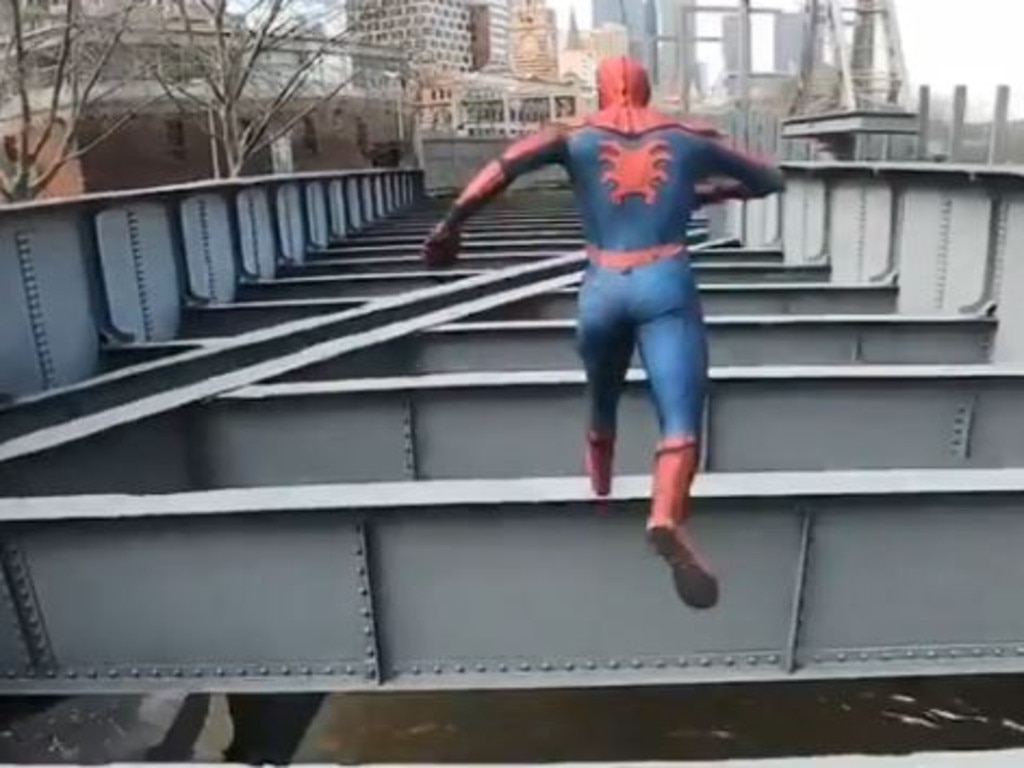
{"points": [[441, 249]]}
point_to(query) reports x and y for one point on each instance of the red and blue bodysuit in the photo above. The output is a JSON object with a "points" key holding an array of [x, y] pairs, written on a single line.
{"points": [[637, 176]]}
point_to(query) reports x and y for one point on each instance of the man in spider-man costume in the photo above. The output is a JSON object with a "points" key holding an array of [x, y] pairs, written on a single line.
{"points": [[637, 176]]}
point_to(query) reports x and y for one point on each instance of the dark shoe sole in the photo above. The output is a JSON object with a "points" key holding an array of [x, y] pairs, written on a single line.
{"points": [[694, 585]]}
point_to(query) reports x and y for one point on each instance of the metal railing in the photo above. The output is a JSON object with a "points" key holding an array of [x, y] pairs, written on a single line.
{"points": [[122, 267]]}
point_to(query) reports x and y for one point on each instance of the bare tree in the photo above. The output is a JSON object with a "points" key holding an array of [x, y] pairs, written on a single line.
{"points": [[56, 65], [253, 70]]}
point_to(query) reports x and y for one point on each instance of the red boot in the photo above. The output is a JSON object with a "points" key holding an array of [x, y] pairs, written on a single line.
{"points": [[599, 459], [674, 469]]}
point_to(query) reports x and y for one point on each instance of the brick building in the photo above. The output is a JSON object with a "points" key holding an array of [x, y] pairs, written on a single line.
{"points": [[165, 147]]}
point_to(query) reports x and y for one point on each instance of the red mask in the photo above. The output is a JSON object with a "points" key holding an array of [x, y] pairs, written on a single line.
{"points": [[622, 82]]}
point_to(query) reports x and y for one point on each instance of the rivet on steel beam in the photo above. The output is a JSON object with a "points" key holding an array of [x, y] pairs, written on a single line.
{"points": [[364, 612], [155, 673], [242, 672], [349, 669], [460, 669], [179, 672], [997, 651], [11, 674], [286, 670], [93, 674], [307, 670], [979, 651], [113, 674], [71, 674], [525, 667], [705, 662], [569, 666], [367, 630], [369, 673], [220, 671], [752, 660], [503, 667], [370, 651], [613, 664], [591, 665], [931, 654], [264, 671], [637, 664], [481, 667], [773, 659], [729, 661], [359, 551], [362, 571], [841, 657], [51, 673], [682, 662], [546, 666], [135, 672], [438, 669], [363, 591], [1020, 651]]}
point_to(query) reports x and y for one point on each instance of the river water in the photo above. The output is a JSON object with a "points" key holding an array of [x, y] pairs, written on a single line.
{"points": [[670, 723], [887, 717]]}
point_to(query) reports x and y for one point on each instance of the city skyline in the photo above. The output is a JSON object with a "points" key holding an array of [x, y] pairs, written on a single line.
{"points": [[987, 52]]}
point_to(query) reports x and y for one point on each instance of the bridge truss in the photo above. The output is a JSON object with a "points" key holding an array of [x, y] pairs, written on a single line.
{"points": [[299, 461]]}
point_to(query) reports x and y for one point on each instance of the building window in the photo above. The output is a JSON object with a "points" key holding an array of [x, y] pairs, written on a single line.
{"points": [[309, 137], [176, 138]]}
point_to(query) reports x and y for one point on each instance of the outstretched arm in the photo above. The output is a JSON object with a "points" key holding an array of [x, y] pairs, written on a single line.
{"points": [[528, 154], [747, 176]]}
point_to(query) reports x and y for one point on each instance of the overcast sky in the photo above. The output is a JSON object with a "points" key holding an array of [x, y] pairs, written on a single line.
{"points": [[979, 43]]}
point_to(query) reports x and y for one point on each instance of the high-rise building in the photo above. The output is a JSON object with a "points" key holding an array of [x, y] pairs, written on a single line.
{"points": [[490, 23], [573, 39], [534, 40], [650, 40], [678, 54], [790, 33], [609, 40], [435, 33], [731, 43], [630, 14], [577, 61]]}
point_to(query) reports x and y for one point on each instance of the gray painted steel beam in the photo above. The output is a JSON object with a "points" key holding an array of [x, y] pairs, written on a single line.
{"points": [[758, 340], [411, 246], [120, 398], [498, 258], [796, 299], [375, 285], [158, 592], [764, 299], [397, 244], [530, 424], [402, 233]]}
